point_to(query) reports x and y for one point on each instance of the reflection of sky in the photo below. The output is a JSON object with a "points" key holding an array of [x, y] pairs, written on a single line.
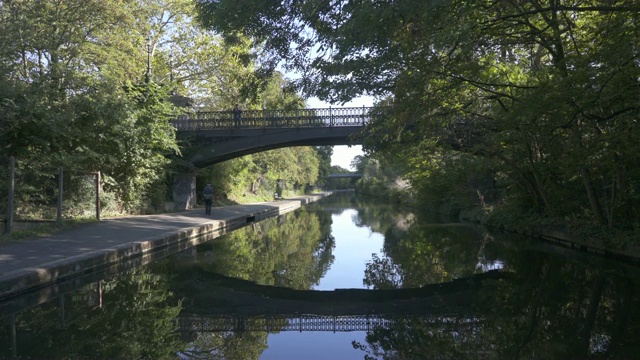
{"points": [[310, 345], [353, 250], [490, 265]]}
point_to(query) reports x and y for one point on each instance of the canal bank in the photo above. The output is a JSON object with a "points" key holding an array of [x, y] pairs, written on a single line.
{"points": [[628, 251], [37, 263], [560, 236]]}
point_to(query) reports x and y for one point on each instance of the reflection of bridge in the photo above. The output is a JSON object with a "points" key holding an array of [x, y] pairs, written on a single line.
{"points": [[237, 299], [223, 135], [312, 322], [293, 322]]}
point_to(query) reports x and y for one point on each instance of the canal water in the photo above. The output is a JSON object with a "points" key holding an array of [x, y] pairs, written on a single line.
{"points": [[439, 290]]}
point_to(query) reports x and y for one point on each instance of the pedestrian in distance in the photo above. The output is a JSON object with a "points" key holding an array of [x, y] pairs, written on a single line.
{"points": [[207, 194], [237, 114]]}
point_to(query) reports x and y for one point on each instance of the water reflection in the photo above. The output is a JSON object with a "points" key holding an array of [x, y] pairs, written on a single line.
{"points": [[441, 291], [130, 316]]}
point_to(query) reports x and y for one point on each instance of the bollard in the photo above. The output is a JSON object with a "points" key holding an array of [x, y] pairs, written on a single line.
{"points": [[12, 183], [60, 184]]}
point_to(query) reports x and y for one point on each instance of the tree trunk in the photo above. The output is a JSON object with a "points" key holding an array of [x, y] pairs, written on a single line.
{"points": [[596, 208], [584, 332]]}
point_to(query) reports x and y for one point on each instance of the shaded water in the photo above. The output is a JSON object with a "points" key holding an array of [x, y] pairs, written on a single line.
{"points": [[243, 296]]}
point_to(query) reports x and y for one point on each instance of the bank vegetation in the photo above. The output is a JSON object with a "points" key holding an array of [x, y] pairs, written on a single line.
{"points": [[526, 110], [91, 86]]}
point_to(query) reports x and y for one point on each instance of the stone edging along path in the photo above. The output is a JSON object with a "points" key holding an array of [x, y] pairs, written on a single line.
{"points": [[121, 243]]}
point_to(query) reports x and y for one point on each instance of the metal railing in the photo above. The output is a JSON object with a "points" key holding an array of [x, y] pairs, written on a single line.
{"points": [[282, 323], [259, 119], [307, 322]]}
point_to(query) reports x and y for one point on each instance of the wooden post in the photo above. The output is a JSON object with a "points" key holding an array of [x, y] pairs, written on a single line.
{"points": [[60, 192], [100, 293], [12, 183], [62, 317], [98, 195], [14, 337]]}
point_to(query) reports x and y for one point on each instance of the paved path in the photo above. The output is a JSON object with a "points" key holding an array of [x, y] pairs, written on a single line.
{"points": [[31, 264]]}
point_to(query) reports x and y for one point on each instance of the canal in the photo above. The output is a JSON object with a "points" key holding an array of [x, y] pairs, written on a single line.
{"points": [[413, 287]]}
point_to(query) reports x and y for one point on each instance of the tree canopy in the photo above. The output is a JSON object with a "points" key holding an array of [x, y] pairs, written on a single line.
{"points": [[91, 86], [542, 94]]}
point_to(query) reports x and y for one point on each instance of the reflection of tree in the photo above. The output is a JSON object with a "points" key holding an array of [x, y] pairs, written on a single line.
{"points": [[379, 217], [336, 204], [437, 338], [136, 321], [324, 252], [550, 308], [424, 253], [564, 307], [294, 252], [227, 346]]}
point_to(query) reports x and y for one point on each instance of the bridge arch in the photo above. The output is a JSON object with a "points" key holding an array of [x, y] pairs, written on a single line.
{"points": [[249, 143]]}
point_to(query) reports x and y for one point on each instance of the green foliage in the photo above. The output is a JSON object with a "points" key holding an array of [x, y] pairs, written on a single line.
{"points": [[146, 137], [544, 305], [324, 164], [68, 98], [137, 321], [382, 180], [247, 345], [294, 253], [76, 91], [254, 177], [545, 95]]}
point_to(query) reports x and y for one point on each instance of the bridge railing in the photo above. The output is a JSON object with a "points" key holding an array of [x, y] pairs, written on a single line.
{"points": [[253, 119], [308, 322], [282, 323]]}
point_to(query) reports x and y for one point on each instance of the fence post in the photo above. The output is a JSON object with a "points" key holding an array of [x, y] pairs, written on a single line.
{"points": [[14, 337], [12, 176], [60, 192], [98, 195]]}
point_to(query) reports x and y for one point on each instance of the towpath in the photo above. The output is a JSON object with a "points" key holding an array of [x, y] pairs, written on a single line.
{"points": [[32, 264]]}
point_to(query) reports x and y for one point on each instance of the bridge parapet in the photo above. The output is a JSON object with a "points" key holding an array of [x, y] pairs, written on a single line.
{"points": [[260, 119], [306, 322]]}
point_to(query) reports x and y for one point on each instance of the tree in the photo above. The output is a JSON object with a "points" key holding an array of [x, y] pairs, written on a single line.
{"points": [[72, 72], [324, 157], [530, 86]]}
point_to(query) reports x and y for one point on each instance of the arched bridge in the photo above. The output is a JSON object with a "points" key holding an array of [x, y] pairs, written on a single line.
{"points": [[217, 136]]}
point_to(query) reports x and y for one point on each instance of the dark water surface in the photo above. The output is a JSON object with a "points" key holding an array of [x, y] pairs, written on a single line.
{"points": [[443, 291]]}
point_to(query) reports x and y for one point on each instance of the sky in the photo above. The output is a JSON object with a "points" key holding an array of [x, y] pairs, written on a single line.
{"points": [[342, 154]]}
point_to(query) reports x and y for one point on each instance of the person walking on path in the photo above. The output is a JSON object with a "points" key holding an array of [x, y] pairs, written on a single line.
{"points": [[207, 193]]}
